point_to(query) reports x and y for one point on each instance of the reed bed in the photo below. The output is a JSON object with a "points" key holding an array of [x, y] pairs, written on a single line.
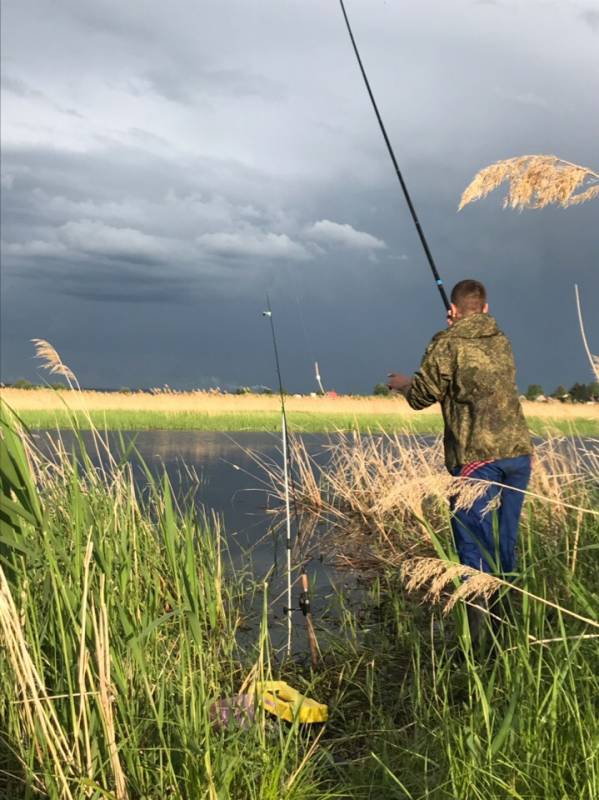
{"points": [[388, 494], [515, 719], [200, 401], [47, 408]]}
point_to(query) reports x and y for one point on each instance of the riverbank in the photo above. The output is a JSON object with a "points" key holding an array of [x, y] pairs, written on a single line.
{"points": [[47, 408]]}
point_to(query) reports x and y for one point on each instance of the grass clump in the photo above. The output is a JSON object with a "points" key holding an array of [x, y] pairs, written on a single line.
{"points": [[412, 721]]}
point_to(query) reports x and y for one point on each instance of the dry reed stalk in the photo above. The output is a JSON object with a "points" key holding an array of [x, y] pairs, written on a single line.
{"points": [[217, 577], [379, 497], [558, 502], [575, 546], [107, 691], [54, 364], [83, 665], [535, 181], [40, 718], [593, 359], [556, 639], [307, 756]]}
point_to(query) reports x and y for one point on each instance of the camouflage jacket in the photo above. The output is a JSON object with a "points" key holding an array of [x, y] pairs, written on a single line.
{"points": [[469, 368]]}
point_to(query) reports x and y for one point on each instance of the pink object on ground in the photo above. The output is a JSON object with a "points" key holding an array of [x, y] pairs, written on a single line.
{"points": [[238, 710]]}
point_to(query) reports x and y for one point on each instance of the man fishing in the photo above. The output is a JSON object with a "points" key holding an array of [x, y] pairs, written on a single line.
{"points": [[469, 369]]}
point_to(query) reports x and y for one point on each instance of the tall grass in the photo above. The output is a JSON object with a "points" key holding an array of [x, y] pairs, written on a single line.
{"points": [[119, 625], [121, 620], [422, 711]]}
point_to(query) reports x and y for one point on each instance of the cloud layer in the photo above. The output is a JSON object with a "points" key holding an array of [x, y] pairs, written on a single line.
{"points": [[160, 171]]}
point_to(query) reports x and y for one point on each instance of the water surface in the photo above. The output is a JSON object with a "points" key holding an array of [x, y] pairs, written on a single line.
{"points": [[218, 471]]}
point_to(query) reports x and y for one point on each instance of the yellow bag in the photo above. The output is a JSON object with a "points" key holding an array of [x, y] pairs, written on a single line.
{"points": [[284, 701]]}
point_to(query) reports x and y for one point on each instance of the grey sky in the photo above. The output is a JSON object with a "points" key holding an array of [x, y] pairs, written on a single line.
{"points": [[163, 166]]}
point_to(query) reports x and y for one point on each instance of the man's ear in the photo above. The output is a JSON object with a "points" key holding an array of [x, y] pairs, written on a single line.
{"points": [[454, 311], [486, 308]]}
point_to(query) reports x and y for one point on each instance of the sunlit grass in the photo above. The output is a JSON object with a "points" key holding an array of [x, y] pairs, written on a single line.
{"points": [[46, 408], [300, 422]]}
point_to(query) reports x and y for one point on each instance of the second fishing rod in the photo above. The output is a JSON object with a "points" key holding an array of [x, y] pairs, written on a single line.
{"points": [[290, 498]]}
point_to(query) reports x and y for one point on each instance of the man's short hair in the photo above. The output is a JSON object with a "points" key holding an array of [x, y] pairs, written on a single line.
{"points": [[469, 296]]}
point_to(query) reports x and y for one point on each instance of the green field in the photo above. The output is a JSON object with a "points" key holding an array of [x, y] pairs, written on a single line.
{"points": [[300, 422]]}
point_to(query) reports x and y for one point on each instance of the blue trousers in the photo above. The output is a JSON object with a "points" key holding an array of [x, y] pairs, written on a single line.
{"points": [[488, 541]]}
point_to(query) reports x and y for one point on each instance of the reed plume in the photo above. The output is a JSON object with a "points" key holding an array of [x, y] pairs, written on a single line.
{"points": [[437, 575], [535, 181], [52, 361]]}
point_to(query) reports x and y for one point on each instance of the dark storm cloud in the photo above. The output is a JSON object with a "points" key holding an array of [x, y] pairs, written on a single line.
{"points": [[219, 154], [114, 19], [121, 282], [173, 221], [19, 87], [591, 17], [174, 82]]}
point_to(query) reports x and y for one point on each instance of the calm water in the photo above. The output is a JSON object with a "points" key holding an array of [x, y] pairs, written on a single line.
{"points": [[218, 472], [222, 477]]}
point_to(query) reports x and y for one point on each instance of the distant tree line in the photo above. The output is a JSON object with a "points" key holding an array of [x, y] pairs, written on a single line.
{"points": [[578, 393], [21, 383]]}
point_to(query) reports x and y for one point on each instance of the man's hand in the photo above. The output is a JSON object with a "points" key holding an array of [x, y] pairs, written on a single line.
{"points": [[398, 382]]}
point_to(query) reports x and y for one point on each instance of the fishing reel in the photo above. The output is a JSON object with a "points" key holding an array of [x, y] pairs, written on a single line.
{"points": [[303, 605]]}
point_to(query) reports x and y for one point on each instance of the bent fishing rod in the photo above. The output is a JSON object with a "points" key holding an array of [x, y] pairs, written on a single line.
{"points": [[304, 599], [400, 177]]}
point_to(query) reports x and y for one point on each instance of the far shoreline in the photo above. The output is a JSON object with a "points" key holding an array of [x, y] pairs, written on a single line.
{"points": [[207, 411]]}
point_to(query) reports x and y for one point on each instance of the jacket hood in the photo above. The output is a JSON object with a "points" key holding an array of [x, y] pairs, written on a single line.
{"points": [[474, 326]]}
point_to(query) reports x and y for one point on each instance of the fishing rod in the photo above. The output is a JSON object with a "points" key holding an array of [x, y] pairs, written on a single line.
{"points": [[400, 177], [304, 599]]}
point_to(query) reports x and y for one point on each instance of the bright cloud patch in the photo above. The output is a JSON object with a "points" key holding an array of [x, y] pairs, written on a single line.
{"points": [[96, 238], [253, 243], [336, 233]]}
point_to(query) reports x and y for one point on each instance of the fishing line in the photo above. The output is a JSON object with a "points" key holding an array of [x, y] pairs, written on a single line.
{"points": [[416, 221]]}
